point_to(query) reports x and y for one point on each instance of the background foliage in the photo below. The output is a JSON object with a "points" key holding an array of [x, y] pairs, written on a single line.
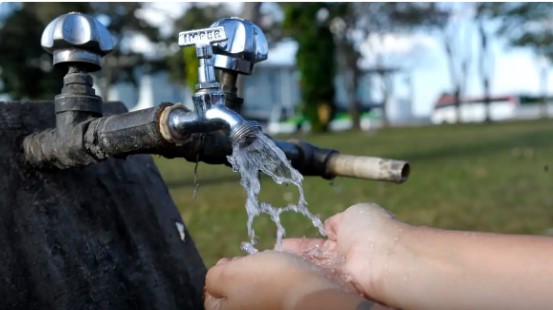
{"points": [[317, 69]]}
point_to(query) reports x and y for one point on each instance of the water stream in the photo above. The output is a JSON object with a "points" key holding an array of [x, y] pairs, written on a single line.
{"points": [[262, 155]]}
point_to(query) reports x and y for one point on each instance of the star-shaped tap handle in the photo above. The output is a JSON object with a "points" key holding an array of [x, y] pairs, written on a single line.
{"points": [[246, 46], [77, 39]]}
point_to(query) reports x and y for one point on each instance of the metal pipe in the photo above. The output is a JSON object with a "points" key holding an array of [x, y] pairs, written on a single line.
{"points": [[228, 80], [372, 168], [307, 158], [328, 163], [123, 134], [140, 132], [47, 149], [144, 132], [96, 139], [178, 123]]}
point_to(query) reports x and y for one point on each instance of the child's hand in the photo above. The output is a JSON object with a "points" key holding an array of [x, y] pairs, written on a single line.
{"points": [[360, 241], [267, 280]]}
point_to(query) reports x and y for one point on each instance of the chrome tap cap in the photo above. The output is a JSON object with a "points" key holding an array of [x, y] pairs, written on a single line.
{"points": [[77, 38], [246, 45]]}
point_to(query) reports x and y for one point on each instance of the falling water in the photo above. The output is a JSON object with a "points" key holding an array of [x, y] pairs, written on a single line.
{"points": [[263, 155]]}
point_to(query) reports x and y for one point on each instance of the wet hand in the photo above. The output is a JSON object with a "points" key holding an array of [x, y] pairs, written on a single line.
{"points": [[266, 280], [360, 241]]}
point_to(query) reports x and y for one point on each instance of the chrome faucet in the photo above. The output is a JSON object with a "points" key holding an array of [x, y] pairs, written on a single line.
{"points": [[210, 113]]}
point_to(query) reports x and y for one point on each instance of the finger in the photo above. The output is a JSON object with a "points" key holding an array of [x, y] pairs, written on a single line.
{"points": [[216, 280], [222, 261], [372, 209], [332, 225], [316, 251], [220, 278], [212, 303], [300, 245]]}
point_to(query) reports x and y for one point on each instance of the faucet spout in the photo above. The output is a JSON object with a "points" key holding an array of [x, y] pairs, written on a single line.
{"points": [[182, 122], [238, 128]]}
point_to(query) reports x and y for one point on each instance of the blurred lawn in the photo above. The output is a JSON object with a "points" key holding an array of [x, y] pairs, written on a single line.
{"points": [[472, 177]]}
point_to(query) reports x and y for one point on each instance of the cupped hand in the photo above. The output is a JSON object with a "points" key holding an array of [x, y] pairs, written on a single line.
{"points": [[265, 280], [359, 244]]}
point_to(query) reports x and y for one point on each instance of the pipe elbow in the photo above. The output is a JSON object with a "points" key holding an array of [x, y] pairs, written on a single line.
{"points": [[237, 128], [177, 123], [60, 149], [228, 119]]}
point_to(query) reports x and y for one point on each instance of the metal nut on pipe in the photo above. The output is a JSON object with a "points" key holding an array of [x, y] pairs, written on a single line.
{"points": [[372, 168]]}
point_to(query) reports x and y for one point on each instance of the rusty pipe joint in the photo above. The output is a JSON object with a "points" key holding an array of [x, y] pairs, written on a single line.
{"points": [[77, 42]]}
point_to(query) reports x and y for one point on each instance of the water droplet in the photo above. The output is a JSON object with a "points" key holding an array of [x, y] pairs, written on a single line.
{"points": [[348, 277], [248, 248]]}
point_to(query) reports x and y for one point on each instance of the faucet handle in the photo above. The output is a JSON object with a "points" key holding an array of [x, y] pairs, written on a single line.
{"points": [[77, 38], [202, 37], [246, 45], [202, 40]]}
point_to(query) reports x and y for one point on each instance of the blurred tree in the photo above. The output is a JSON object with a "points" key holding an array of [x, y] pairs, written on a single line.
{"points": [[25, 68], [353, 23], [269, 17], [347, 55], [309, 25], [252, 12], [485, 57], [457, 43], [124, 23], [528, 24]]}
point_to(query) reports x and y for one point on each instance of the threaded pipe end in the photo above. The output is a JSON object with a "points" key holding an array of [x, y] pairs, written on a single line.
{"points": [[245, 133]]}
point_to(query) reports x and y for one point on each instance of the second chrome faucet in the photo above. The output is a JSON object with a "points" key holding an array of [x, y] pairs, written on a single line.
{"points": [[210, 112]]}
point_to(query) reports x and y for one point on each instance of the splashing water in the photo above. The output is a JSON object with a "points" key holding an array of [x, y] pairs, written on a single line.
{"points": [[263, 155]]}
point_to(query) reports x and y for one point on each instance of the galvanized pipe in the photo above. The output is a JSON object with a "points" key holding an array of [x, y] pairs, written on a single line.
{"points": [[372, 168], [93, 140], [329, 163]]}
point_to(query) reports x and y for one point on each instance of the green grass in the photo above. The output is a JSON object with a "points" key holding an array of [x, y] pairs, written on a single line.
{"points": [[471, 177]]}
